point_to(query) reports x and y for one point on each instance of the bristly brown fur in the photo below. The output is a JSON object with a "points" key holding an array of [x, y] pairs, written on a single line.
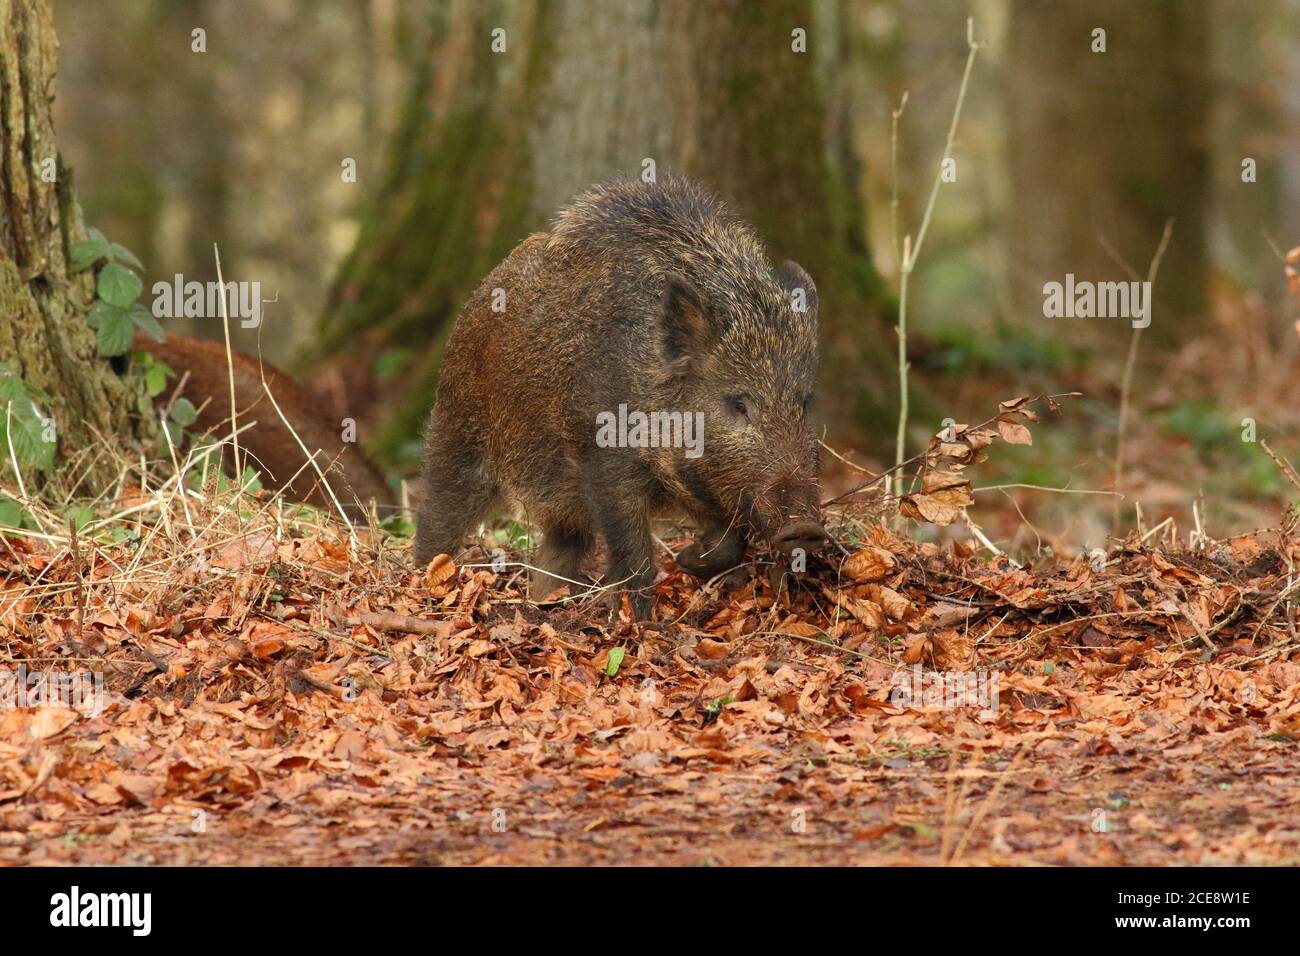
{"points": [[273, 450], [650, 295]]}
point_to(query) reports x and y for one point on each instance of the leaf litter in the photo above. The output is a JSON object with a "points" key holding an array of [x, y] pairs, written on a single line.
{"points": [[276, 692]]}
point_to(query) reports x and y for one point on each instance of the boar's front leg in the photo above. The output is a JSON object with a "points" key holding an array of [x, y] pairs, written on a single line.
{"points": [[560, 559], [624, 523], [717, 548]]}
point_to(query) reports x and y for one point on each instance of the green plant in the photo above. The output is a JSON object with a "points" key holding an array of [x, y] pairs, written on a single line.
{"points": [[80, 516], [963, 350], [252, 480], [514, 536], [1202, 423], [180, 416], [116, 314], [715, 708], [391, 362], [14, 515], [22, 423], [156, 372], [398, 525]]}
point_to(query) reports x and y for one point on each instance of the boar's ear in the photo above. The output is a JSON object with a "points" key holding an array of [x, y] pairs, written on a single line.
{"points": [[685, 321], [798, 285]]}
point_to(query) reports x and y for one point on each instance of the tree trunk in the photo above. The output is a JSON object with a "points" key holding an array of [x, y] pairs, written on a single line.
{"points": [[494, 143], [1108, 144], [44, 337]]}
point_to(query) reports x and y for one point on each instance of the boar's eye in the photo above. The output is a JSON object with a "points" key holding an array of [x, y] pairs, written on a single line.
{"points": [[805, 403], [737, 406]]}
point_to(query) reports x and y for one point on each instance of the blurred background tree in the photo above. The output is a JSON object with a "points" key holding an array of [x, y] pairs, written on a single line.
{"points": [[1102, 154]]}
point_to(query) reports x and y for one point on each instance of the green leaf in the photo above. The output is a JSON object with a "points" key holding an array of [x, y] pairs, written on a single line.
{"points": [[391, 362], [146, 323], [32, 440], [155, 380], [615, 659], [29, 435], [121, 253], [398, 526], [184, 413], [721, 702], [12, 386], [81, 516], [114, 329], [252, 480], [83, 255], [23, 423], [177, 435], [12, 514], [117, 285]]}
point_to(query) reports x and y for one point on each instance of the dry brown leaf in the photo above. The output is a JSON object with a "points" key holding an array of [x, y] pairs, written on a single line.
{"points": [[799, 628], [954, 650], [42, 723], [1014, 433], [868, 565], [915, 649], [896, 605], [942, 506], [104, 794], [439, 570], [712, 650]]}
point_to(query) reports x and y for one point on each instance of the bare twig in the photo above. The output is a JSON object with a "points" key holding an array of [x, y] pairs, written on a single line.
{"points": [[912, 252], [1283, 465], [1126, 383], [230, 367]]}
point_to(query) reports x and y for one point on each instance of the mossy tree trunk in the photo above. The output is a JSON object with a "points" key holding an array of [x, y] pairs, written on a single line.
{"points": [[43, 305], [493, 143]]}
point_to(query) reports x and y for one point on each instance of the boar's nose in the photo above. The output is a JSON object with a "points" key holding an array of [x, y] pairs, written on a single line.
{"points": [[799, 534]]}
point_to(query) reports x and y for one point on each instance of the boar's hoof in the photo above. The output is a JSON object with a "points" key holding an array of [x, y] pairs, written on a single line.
{"points": [[808, 535], [641, 604], [704, 562]]}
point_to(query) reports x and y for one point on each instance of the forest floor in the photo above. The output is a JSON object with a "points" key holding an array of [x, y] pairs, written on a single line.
{"points": [[275, 692]]}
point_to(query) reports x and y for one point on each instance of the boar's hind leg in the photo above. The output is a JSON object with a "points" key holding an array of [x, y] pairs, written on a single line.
{"points": [[457, 493], [559, 560], [716, 549]]}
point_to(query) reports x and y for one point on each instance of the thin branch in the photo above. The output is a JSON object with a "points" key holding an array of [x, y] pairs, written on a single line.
{"points": [[230, 367], [912, 252], [1126, 385]]}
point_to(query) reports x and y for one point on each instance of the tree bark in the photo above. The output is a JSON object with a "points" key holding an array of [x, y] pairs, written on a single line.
{"points": [[494, 143], [43, 305], [1108, 144]]}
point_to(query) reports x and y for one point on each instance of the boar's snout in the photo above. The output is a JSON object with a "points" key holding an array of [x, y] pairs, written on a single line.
{"points": [[793, 511], [799, 534]]}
